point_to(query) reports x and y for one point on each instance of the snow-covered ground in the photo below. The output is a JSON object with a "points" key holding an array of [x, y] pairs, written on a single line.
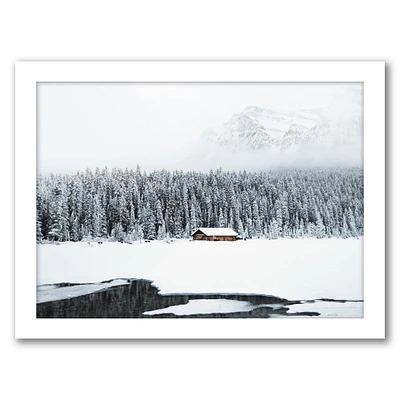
{"points": [[205, 307], [328, 309], [295, 269]]}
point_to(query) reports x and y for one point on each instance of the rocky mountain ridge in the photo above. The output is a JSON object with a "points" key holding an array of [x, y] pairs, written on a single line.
{"points": [[257, 128]]}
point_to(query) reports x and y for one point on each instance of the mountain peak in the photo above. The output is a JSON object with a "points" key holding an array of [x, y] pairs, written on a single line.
{"points": [[258, 128]]}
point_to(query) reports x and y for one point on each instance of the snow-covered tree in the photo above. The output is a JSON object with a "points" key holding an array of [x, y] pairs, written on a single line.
{"points": [[134, 204]]}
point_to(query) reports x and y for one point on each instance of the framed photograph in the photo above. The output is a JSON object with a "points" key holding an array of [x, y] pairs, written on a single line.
{"points": [[200, 200]]}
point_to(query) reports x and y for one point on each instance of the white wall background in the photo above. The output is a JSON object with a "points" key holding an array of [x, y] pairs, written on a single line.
{"points": [[93, 30]]}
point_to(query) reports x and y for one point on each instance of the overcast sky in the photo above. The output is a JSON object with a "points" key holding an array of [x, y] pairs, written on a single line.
{"points": [[92, 125]]}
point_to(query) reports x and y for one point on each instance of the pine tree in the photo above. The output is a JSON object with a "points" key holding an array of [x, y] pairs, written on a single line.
{"points": [[74, 228], [161, 234], [131, 221], [194, 224], [118, 233], [39, 235], [351, 222], [159, 220], [345, 228], [148, 225], [274, 229], [319, 226], [58, 215], [278, 221], [221, 219]]}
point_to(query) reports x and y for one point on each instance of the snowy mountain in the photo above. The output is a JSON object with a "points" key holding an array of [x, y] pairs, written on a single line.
{"points": [[262, 138], [258, 128]]}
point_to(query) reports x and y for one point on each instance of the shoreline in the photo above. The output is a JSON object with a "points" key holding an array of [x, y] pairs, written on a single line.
{"points": [[139, 296]]}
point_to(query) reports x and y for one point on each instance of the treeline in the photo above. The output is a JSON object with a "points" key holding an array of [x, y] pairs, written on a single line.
{"points": [[134, 205]]}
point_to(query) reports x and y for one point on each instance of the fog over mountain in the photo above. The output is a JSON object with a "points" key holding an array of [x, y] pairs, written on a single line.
{"points": [[259, 138], [198, 126]]}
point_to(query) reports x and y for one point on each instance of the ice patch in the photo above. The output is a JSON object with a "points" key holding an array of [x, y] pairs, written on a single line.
{"points": [[54, 292], [205, 307]]}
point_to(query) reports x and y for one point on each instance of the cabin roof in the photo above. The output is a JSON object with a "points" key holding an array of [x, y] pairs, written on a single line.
{"points": [[216, 231]]}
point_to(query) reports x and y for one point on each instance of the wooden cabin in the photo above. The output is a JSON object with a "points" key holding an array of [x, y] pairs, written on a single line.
{"points": [[215, 234]]}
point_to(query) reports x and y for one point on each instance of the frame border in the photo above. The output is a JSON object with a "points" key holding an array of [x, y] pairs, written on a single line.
{"points": [[29, 73]]}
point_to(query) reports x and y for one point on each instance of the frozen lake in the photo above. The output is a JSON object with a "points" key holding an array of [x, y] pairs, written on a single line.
{"points": [[295, 269]]}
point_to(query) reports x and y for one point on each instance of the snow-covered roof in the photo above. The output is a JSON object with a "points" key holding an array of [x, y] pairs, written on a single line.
{"points": [[216, 231]]}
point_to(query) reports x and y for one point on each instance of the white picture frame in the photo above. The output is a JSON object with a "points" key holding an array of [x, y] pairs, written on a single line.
{"points": [[29, 74]]}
